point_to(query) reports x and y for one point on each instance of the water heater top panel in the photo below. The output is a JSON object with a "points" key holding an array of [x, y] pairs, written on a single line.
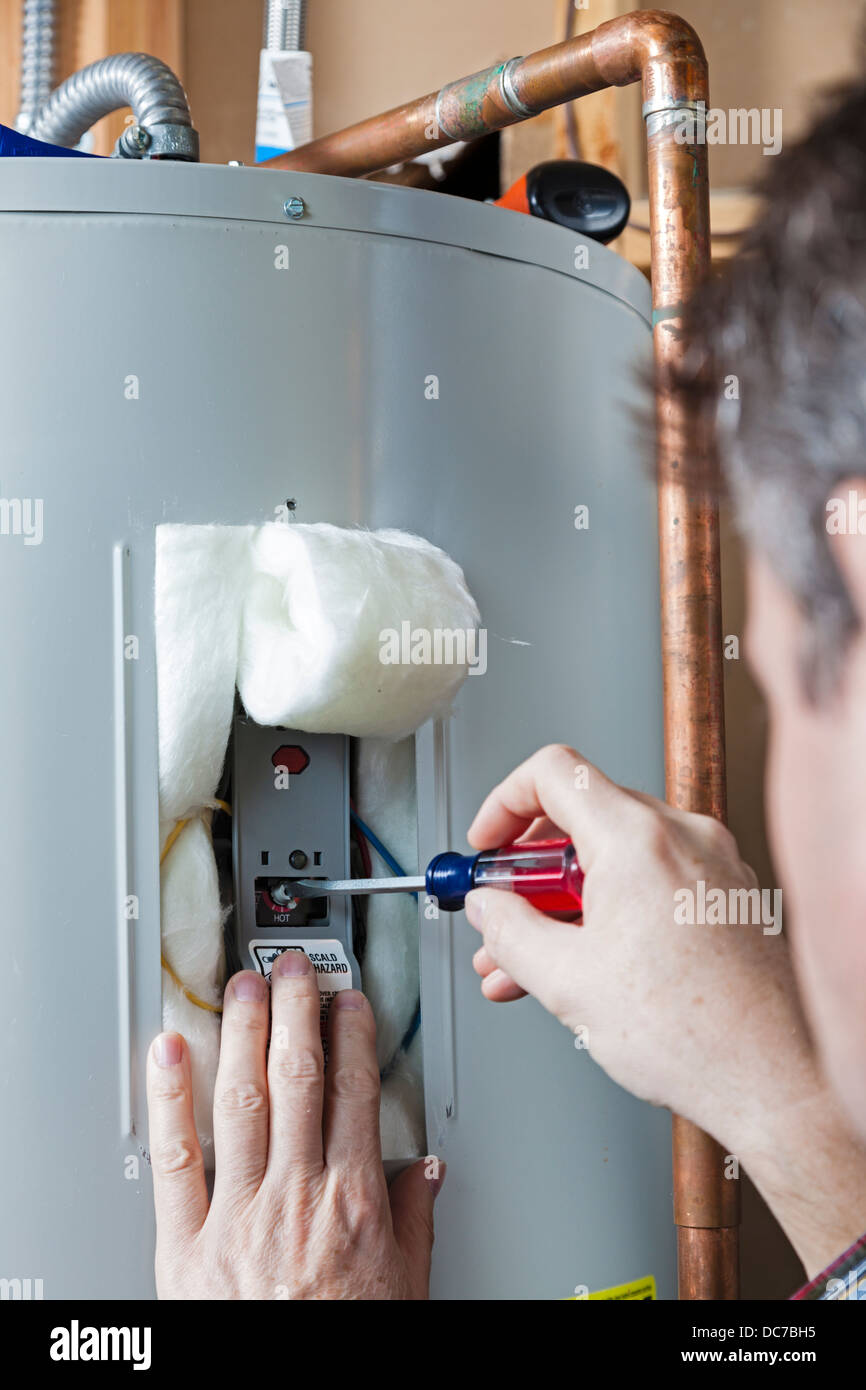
{"points": [[354, 205]]}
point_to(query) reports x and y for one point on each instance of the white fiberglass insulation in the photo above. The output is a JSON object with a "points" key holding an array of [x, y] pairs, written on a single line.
{"points": [[292, 615]]}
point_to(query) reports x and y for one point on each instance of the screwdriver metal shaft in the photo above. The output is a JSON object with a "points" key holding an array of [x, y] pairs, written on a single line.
{"points": [[322, 887]]}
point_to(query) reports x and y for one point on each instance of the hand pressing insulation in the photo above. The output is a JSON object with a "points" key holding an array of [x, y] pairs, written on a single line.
{"points": [[300, 1206]]}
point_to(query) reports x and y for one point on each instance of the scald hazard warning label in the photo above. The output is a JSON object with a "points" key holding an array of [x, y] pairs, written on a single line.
{"points": [[333, 970]]}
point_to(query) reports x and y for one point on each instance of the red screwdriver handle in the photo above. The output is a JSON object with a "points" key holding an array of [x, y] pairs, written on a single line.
{"points": [[545, 872]]}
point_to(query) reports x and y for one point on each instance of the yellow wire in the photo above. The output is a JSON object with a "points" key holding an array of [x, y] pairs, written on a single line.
{"points": [[193, 998], [170, 841], [173, 834]]}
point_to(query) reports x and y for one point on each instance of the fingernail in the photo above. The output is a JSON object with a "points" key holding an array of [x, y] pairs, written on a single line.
{"points": [[437, 1181], [291, 962], [474, 907], [348, 999], [168, 1049], [249, 987]]}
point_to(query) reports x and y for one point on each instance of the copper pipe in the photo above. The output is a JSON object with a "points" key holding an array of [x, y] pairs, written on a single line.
{"points": [[658, 49], [706, 1202], [664, 54]]}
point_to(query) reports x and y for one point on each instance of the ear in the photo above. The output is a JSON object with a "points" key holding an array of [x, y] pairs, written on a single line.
{"points": [[774, 629], [845, 512]]}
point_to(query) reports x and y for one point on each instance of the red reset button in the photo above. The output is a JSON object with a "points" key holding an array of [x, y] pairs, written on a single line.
{"points": [[292, 757]]}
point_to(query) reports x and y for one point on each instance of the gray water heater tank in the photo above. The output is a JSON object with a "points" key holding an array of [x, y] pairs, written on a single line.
{"points": [[409, 360]]}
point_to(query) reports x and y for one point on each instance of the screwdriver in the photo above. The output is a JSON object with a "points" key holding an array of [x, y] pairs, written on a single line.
{"points": [[545, 872]]}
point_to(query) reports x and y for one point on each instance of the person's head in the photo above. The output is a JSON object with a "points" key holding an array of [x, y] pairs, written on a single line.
{"points": [[777, 356]]}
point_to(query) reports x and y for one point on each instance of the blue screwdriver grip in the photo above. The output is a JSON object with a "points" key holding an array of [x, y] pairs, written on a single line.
{"points": [[449, 878]]}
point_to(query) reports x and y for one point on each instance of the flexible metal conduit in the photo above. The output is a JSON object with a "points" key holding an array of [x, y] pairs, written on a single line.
{"points": [[124, 79], [285, 23], [37, 58], [664, 54]]}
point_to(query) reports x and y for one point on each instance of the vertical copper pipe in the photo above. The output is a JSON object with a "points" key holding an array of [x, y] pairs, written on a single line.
{"points": [[664, 54], [706, 1202]]}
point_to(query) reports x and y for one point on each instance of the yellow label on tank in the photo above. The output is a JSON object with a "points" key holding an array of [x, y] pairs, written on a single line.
{"points": [[622, 1293]]}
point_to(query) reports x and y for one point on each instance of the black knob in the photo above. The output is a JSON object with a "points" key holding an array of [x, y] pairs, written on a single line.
{"points": [[584, 197]]}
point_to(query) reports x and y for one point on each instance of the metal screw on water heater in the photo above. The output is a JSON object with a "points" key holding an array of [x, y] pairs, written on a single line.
{"points": [[135, 137], [295, 208], [283, 897]]}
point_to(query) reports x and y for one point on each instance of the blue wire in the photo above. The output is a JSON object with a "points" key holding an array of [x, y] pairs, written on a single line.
{"points": [[380, 849], [400, 872], [412, 1029]]}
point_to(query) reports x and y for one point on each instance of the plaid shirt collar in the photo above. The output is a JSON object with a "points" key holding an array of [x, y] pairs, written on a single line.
{"points": [[845, 1278]]}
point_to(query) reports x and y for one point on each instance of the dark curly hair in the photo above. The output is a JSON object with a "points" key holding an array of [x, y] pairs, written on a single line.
{"points": [[775, 367]]}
